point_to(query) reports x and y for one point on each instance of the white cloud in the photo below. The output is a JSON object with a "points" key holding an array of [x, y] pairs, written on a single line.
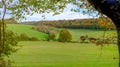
{"points": [[67, 14]]}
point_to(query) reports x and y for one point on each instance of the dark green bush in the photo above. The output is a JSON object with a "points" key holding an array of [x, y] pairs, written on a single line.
{"points": [[33, 39], [7, 47], [24, 37], [52, 34], [64, 36], [10, 42], [2, 63], [51, 37]]}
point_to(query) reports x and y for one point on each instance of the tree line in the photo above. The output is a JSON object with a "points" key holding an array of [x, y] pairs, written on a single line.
{"points": [[76, 24]]}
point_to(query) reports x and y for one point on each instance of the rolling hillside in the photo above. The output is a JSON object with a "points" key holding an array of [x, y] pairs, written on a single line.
{"points": [[76, 33], [21, 28]]}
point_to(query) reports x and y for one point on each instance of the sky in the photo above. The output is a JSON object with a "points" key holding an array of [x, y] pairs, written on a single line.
{"points": [[66, 15], [63, 16]]}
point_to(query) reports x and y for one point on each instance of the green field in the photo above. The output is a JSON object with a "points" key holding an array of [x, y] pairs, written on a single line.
{"points": [[76, 33], [27, 29], [56, 54]]}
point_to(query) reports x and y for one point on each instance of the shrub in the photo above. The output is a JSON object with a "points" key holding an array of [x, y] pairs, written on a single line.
{"points": [[10, 42], [7, 47], [33, 39], [2, 63], [83, 38], [64, 36], [51, 37], [52, 34], [23, 37], [42, 28]]}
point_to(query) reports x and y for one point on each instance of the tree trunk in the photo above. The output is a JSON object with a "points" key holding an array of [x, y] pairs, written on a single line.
{"points": [[116, 21], [0, 38], [118, 33]]}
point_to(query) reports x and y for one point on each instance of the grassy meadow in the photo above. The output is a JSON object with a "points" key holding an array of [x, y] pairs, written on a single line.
{"points": [[76, 33], [27, 29], [58, 54]]}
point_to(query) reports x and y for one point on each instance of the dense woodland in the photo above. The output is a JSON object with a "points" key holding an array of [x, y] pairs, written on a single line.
{"points": [[75, 24], [10, 21]]}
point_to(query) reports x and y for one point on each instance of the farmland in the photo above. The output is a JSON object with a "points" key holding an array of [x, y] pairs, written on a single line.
{"points": [[20, 28], [76, 33], [58, 54]]}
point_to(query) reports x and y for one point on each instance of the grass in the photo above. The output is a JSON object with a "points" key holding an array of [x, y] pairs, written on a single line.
{"points": [[27, 29], [56, 54], [76, 33]]}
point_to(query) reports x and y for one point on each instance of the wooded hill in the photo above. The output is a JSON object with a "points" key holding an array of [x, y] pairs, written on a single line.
{"points": [[76, 24], [10, 21]]}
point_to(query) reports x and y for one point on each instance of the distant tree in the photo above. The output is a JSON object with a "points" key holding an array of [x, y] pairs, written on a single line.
{"points": [[65, 36], [53, 34], [23, 37], [11, 21], [82, 38]]}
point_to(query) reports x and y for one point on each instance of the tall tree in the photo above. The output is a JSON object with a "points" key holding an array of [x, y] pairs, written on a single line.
{"points": [[110, 8]]}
